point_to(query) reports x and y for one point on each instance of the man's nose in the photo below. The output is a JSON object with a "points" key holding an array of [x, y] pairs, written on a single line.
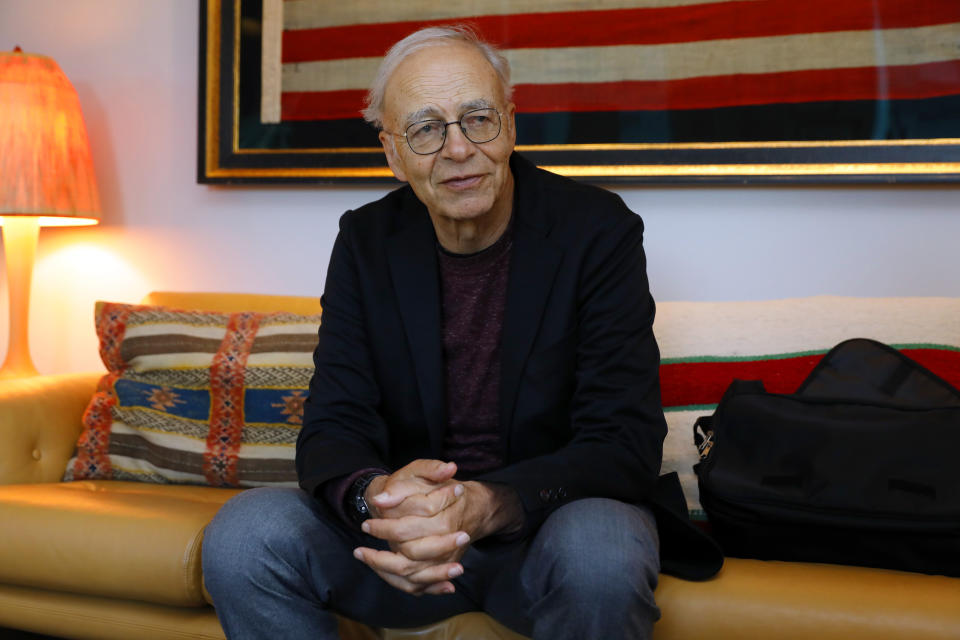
{"points": [[456, 145]]}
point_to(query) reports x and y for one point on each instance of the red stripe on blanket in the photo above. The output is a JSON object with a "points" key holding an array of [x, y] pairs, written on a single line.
{"points": [[695, 383], [636, 26], [943, 362], [321, 105], [903, 82], [686, 383], [910, 82]]}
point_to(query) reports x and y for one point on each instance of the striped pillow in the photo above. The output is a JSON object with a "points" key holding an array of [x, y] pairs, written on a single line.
{"points": [[195, 397]]}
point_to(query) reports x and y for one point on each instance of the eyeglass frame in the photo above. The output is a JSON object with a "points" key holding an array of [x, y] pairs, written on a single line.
{"points": [[459, 122]]}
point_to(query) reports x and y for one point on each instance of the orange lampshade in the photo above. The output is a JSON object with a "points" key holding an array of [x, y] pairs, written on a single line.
{"points": [[46, 179], [45, 166]]}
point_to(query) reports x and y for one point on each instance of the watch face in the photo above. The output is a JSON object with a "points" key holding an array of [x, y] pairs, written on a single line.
{"points": [[354, 498], [361, 505], [360, 510]]}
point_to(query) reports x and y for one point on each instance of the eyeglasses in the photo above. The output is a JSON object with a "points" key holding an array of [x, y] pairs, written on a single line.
{"points": [[428, 136]]}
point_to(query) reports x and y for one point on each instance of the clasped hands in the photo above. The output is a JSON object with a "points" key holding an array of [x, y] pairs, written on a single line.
{"points": [[428, 518]]}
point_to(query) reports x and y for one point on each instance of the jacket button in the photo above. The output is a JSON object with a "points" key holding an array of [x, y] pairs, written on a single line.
{"points": [[36, 454]]}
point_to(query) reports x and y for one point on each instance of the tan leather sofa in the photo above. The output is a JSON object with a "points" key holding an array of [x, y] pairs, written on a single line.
{"points": [[107, 559]]}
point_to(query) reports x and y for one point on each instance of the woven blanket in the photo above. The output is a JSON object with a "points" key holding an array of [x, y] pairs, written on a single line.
{"points": [[706, 345]]}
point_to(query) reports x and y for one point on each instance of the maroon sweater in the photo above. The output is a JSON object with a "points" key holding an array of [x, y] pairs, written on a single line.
{"points": [[473, 293]]}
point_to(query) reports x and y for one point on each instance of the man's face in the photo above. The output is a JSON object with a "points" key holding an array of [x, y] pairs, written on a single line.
{"points": [[463, 180]]}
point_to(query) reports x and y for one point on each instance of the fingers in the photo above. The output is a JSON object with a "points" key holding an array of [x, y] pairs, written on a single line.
{"points": [[440, 589], [418, 477], [424, 550], [437, 471], [424, 573], [397, 582], [429, 504], [434, 548], [393, 495], [406, 528], [408, 575]]}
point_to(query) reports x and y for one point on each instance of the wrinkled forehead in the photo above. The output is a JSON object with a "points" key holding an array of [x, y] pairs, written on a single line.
{"points": [[441, 80]]}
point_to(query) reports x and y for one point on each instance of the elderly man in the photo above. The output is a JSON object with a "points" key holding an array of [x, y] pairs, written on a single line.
{"points": [[484, 429]]}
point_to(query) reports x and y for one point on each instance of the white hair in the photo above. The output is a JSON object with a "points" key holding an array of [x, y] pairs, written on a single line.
{"points": [[420, 40]]}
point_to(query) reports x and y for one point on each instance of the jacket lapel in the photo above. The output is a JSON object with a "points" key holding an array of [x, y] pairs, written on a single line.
{"points": [[534, 261], [412, 255]]}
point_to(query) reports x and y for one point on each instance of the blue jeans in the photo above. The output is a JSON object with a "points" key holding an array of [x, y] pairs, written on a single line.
{"points": [[278, 562]]}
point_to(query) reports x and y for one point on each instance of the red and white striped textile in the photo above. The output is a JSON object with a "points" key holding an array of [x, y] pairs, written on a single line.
{"points": [[704, 346], [626, 55]]}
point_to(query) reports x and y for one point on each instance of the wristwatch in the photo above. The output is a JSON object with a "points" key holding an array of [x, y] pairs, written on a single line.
{"points": [[355, 505]]}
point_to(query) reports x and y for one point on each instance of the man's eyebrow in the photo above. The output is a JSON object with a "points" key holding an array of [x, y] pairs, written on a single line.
{"points": [[424, 113], [432, 113], [479, 103]]}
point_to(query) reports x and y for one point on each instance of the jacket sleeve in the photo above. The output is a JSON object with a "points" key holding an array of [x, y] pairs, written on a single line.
{"points": [[616, 418], [342, 430]]}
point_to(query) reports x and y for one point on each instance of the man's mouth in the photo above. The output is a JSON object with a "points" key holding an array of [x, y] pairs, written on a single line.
{"points": [[462, 182]]}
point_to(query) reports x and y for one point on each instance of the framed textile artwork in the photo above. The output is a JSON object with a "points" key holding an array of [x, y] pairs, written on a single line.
{"points": [[742, 91]]}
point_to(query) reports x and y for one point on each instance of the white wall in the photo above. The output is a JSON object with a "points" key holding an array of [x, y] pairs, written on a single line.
{"points": [[134, 65]]}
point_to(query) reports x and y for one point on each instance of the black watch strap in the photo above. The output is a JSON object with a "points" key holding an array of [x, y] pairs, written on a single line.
{"points": [[355, 505]]}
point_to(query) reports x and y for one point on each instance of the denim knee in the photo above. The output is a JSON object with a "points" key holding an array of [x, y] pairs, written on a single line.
{"points": [[251, 529], [599, 548]]}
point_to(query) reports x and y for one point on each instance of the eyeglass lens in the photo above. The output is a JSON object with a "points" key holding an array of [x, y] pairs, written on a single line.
{"points": [[479, 125]]}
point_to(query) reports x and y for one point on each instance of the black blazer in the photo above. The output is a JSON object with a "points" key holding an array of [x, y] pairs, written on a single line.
{"points": [[580, 408]]}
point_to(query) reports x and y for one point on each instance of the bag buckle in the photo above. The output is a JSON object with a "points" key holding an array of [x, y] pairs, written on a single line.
{"points": [[703, 436]]}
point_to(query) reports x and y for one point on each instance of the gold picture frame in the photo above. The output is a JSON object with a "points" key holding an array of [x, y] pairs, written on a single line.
{"points": [[234, 148]]}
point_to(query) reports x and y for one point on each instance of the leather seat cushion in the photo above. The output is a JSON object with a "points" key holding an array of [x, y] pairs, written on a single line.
{"points": [[128, 540], [783, 600]]}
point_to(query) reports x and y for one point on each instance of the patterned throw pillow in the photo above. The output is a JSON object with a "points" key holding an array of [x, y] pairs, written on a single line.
{"points": [[194, 397]]}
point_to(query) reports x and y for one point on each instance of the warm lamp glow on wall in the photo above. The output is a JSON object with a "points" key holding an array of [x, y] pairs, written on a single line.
{"points": [[46, 178]]}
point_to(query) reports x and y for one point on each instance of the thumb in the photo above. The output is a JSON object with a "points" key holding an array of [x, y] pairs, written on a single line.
{"points": [[440, 471], [384, 500]]}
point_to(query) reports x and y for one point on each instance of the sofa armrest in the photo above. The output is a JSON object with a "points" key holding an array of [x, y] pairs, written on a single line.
{"points": [[40, 419]]}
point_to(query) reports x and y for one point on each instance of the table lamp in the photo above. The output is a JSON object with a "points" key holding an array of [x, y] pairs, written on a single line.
{"points": [[46, 178]]}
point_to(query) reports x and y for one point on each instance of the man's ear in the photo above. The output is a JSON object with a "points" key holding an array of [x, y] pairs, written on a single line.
{"points": [[389, 144], [510, 116]]}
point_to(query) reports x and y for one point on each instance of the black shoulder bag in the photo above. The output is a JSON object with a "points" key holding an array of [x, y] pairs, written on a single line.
{"points": [[859, 466]]}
